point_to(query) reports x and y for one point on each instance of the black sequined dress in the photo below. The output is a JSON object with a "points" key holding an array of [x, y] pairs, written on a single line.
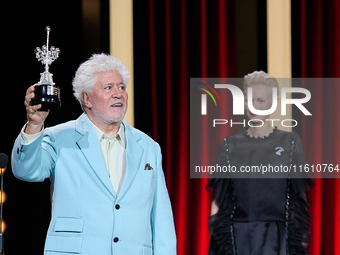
{"points": [[260, 216]]}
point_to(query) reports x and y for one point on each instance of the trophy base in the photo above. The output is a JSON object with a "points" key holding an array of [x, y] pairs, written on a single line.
{"points": [[47, 95]]}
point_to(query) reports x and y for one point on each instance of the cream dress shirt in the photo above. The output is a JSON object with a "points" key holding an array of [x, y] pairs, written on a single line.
{"points": [[114, 152]]}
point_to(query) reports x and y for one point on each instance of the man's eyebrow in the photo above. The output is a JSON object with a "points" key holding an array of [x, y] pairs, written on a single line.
{"points": [[112, 83]]}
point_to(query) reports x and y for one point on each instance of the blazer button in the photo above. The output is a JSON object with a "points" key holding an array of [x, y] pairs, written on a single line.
{"points": [[117, 206], [116, 239]]}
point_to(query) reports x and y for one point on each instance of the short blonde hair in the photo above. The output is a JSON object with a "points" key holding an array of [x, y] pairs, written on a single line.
{"points": [[259, 77]]}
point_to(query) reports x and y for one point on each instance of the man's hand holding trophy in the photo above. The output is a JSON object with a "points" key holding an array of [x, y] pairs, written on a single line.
{"points": [[46, 93]]}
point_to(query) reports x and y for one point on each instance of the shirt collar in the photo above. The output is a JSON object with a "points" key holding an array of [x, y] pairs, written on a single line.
{"points": [[119, 136]]}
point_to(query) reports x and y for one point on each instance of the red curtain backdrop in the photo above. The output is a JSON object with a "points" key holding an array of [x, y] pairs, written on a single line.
{"points": [[185, 39], [320, 57]]}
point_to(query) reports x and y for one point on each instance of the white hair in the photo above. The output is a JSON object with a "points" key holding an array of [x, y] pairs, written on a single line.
{"points": [[86, 74], [259, 77]]}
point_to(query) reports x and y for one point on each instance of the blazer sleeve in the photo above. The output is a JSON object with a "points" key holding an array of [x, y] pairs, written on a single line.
{"points": [[164, 236], [34, 162]]}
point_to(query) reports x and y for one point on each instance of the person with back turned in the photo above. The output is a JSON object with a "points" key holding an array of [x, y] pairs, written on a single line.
{"points": [[109, 193]]}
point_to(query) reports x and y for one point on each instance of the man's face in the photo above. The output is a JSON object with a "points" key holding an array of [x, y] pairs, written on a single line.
{"points": [[108, 100]]}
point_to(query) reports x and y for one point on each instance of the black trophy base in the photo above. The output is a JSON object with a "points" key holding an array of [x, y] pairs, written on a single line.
{"points": [[47, 95]]}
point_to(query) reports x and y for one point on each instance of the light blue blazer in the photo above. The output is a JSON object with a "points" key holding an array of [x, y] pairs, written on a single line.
{"points": [[88, 218]]}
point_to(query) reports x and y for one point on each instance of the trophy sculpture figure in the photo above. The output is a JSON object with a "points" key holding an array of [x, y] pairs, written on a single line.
{"points": [[46, 93]]}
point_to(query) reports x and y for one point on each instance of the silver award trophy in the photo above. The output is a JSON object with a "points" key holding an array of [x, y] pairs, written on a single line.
{"points": [[46, 93]]}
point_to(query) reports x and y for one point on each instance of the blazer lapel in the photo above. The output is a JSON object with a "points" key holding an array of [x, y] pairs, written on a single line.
{"points": [[134, 152], [89, 145]]}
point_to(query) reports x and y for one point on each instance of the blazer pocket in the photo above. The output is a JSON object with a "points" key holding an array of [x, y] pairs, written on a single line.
{"points": [[147, 250], [63, 244], [64, 224], [146, 173]]}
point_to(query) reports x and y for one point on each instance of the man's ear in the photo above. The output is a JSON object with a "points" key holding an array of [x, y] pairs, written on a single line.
{"points": [[86, 99]]}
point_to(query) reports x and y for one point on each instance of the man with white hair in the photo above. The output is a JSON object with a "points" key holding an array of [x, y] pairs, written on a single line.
{"points": [[109, 193]]}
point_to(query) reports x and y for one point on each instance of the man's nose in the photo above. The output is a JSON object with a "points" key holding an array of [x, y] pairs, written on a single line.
{"points": [[116, 92]]}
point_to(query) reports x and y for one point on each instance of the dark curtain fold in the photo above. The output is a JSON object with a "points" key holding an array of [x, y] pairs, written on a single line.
{"points": [[318, 42], [181, 40]]}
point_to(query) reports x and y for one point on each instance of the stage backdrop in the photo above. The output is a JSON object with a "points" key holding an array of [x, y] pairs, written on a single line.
{"points": [[173, 41], [228, 38], [316, 53]]}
